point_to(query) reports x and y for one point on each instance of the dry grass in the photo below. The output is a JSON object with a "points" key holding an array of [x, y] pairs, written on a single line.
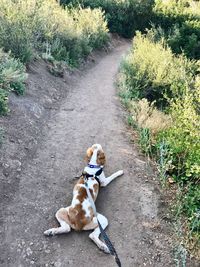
{"points": [[146, 115]]}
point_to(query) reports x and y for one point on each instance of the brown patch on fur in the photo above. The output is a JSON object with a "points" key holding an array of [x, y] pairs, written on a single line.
{"points": [[63, 215], [96, 188], [92, 193], [82, 194], [89, 153], [101, 159], [76, 215]]}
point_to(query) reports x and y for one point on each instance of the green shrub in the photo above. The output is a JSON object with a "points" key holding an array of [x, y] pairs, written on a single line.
{"points": [[190, 206], [152, 71], [124, 16], [12, 73], [12, 78], [3, 102], [1, 134], [16, 28], [183, 138], [180, 21], [29, 26]]}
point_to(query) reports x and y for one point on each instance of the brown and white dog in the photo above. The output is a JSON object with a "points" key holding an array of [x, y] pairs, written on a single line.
{"points": [[80, 215]]}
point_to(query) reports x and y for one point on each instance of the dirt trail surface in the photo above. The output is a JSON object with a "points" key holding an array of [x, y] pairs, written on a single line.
{"points": [[44, 150]]}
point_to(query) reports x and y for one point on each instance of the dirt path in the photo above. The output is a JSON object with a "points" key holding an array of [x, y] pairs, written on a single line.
{"points": [[91, 113]]}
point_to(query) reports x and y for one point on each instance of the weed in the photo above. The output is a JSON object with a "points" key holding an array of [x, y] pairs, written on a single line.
{"points": [[1, 136], [12, 78], [180, 256]]}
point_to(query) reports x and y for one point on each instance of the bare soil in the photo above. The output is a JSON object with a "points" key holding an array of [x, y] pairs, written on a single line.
{"points": [[46, 135]]}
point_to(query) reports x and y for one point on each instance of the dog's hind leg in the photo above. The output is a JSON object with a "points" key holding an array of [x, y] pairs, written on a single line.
{"points": [[106, 180], [96, 233], [62, 217]]}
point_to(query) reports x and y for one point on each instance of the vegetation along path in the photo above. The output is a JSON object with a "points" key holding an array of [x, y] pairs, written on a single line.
{"points": [[90, 112]]}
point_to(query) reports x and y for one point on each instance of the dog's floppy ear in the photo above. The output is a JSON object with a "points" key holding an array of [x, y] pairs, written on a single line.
{"points": [[89, 153], [101, 159]]}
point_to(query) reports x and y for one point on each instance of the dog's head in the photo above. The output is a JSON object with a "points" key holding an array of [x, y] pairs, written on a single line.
{"points": [[97, 153]]}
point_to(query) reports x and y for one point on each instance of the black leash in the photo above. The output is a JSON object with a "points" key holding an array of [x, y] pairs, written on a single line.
{"points": [[103, 233], [110, 246]]}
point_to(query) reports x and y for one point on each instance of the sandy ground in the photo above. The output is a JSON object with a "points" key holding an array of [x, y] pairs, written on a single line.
{"points": [[47, 134]]}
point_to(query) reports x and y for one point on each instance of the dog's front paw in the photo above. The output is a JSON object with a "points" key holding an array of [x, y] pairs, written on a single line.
{"points": [[119, 173], [49, 232]]}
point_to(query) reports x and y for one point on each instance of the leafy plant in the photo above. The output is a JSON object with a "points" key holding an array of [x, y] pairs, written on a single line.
{"points": [[152, 75], [3, 102], [1, 135], [180, 21], [12, 78], [152, 71]]}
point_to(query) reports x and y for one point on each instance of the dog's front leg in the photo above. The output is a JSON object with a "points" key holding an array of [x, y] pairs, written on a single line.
{"points": [[106, 180]]}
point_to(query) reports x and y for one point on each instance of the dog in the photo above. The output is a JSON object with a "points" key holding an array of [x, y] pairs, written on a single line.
{"points": [[80, 214]]}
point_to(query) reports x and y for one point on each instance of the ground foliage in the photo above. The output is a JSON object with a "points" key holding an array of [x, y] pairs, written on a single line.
{"points": [[162, 93]]}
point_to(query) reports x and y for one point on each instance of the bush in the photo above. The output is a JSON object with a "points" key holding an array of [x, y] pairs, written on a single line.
{"points": [[180, 21], [124, 17], [183, 139], [170, 135], [152, 71], [28, 27], [3, 102], [17, 25], [12, 78], [12, 73]]}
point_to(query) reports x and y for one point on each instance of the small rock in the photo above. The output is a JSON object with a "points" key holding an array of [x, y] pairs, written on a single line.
{"points": [[5, 165], [170, 180], [29, 251]]}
